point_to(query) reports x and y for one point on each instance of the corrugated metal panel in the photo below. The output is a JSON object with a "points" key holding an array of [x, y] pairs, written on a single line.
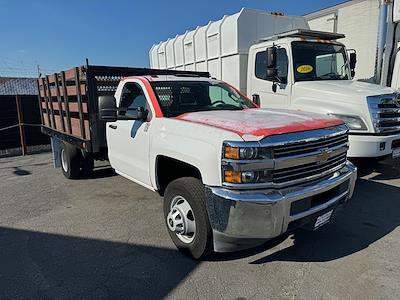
{"points": [[221, 46], [18, 86]]}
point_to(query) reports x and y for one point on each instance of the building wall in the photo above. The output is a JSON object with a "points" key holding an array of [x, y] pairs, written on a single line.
{"points": [[358, 20]]}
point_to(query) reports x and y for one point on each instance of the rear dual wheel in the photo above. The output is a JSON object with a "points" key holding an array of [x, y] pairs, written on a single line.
{"points": [[73, 163]]}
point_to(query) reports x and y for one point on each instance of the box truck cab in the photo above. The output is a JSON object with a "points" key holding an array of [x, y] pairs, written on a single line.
{"points": [[278, 62]]}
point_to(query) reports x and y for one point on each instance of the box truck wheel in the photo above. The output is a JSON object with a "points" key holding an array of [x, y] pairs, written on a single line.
{"points": [[70, 161], [186, 217]]}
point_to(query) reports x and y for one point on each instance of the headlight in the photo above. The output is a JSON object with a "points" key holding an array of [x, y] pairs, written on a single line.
{"points": [[236, 154], [353, 122], [247, 153]]}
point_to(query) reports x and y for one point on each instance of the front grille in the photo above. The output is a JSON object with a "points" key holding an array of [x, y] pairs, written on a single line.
{"points": [[309, 170], [386, 113], [304, 147], [296, 158]]}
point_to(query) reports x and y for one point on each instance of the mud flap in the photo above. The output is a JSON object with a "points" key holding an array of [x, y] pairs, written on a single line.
{"points": [[56, 149]]}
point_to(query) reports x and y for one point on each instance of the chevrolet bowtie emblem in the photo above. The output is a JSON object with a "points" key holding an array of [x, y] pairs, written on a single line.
{"points": [[323, 156]]}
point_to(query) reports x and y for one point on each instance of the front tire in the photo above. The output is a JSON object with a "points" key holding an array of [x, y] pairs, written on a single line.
{"points": [[186, 217]]}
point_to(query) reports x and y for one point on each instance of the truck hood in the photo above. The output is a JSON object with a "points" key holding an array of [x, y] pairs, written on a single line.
{"points": [[255, 124], [343, 90]]}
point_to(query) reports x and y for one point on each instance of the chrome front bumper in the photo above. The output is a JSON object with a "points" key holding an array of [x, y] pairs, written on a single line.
{"points": [[242, 219]]}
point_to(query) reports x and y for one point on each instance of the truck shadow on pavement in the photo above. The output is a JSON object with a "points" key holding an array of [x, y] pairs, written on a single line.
{"points": [[372, 213], [38, 265], [387, 170], [100, 172]]}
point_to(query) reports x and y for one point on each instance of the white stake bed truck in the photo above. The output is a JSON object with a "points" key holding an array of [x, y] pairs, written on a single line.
{"points": [[232, 175], [280, 63]]}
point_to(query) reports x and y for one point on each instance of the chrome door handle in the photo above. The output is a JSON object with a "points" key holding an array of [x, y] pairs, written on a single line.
{"points": [[112, 126]]}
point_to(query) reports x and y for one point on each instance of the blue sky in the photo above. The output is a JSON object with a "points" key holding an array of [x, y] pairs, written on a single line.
{"points": [[61, 34]]}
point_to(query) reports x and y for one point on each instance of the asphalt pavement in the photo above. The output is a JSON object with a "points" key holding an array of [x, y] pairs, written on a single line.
{"points": [[104, 238]]}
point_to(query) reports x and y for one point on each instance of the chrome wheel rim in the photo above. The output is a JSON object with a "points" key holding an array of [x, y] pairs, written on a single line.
{"points": [[181, 220], [64, 162]]}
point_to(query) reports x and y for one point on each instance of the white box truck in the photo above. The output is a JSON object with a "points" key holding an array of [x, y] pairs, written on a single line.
{"points": [[279, 62]]}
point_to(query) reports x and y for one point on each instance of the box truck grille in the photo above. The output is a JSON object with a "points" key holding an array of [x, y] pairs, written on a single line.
{"points": [[385, 113], [388, 120]]}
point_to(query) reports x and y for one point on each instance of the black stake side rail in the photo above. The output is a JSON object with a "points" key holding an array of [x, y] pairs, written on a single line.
{"points": [[69, 106]]}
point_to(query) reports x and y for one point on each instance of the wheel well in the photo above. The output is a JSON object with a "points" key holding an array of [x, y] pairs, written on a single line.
{"points": [[169, 169]]}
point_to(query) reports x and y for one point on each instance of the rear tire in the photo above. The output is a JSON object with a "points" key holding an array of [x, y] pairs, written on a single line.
{"points": [[184, 204], [70, 161], [87, 165]]}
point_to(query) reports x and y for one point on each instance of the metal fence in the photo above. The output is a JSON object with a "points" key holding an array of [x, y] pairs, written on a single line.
{"points": [[20, 120]]}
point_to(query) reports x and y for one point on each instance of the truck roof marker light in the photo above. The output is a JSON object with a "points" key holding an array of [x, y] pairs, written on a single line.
{"points": [[277, 13]]}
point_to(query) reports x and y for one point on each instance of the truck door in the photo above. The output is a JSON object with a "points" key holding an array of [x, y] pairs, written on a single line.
{"points": [[263, 87], [128, 140]]}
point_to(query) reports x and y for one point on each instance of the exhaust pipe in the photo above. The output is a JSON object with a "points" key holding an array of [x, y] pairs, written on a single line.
{"points": [[382, 30]]}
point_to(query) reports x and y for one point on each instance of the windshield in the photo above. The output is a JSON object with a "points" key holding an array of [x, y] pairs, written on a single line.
{"points": [[178, 97], [319, 61]]}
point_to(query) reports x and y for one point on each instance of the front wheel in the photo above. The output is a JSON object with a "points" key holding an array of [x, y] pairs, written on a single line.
{"points": [[186, 217]]}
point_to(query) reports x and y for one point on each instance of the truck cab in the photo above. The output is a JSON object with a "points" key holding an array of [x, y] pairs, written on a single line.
{"points": [[312, 71], [232, 175]]}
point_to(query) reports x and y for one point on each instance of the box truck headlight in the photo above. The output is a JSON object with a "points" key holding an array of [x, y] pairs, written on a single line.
{"points": [[353, 122]]}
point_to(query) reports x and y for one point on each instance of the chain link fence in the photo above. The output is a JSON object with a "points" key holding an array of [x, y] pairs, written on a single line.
{"points": [[20, 120]]}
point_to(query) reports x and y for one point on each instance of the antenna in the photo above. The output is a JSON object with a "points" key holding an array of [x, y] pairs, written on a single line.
{"points": [[38, 71]]}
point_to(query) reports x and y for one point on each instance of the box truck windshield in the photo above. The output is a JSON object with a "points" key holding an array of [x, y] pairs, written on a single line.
{"points": [[319, 61]]}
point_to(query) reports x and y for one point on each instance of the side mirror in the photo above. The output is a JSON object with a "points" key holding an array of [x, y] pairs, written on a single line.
{"points": [[272, 70], [352, 63], [107, 109], [139, 114]]}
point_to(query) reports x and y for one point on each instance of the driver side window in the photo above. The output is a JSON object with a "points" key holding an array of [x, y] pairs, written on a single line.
{"points": [[132, 97], [282, 64]]}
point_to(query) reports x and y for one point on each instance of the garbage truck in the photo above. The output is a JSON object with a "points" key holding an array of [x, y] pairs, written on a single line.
{"points": [[279, 62]]}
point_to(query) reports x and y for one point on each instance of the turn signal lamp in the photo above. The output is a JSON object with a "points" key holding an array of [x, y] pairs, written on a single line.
{"points": [[232, 176], [232, 153]]}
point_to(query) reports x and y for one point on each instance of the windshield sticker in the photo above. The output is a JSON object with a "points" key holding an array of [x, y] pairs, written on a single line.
{"points": [[303, 69]]}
